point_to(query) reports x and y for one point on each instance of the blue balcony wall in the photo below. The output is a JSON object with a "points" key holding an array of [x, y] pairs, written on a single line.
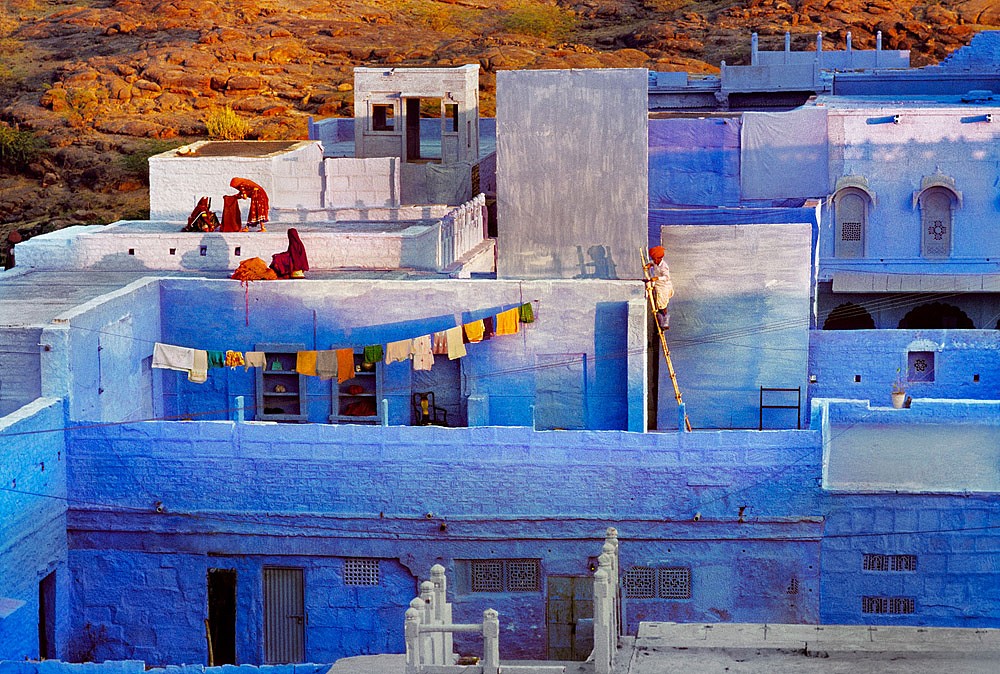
{"points": [[32, 526], [588, 326]]}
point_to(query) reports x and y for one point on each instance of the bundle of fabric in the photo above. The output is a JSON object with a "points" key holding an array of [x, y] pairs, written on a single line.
{"points": [[254, 269]]}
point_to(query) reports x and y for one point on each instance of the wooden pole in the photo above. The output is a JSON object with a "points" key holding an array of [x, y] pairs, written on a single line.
{"points": [[208, 638]]}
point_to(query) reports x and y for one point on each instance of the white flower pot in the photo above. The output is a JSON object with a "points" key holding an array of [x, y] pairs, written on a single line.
{"points": [[898, 399]]}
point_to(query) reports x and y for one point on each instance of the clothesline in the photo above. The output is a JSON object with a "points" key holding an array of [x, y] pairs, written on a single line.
{"points": [[339, 363]]}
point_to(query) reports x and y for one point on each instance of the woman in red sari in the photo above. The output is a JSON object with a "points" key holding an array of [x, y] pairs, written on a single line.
{"points": [[259, 205], [293, 262]]}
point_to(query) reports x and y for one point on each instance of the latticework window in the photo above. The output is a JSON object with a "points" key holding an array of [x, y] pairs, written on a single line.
{"points": [[359, 571], [504, 575]]}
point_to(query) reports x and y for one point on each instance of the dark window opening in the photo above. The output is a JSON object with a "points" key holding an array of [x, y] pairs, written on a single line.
{"points": [[382, 118], [222, 616], [47, 617], [936, 316], [849, 316], [452, 112], [418, 147]]}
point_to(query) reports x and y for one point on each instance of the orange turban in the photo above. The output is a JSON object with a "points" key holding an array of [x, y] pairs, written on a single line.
{"points": [[656, 253]]}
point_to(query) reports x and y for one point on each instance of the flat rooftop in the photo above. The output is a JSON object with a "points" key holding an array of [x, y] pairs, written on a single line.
{"points": [[744, 648]]}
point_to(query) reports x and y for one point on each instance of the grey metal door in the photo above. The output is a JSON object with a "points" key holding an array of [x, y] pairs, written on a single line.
{"points": [[569, 610], [284, 616]]}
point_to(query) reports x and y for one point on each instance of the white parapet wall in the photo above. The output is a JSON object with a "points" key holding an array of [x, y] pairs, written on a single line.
{"points": [[361, 183], [289, 171], [118, 248]]}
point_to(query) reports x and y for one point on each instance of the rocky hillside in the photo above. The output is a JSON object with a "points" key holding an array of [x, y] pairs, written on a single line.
{"points": [[90, 88]]}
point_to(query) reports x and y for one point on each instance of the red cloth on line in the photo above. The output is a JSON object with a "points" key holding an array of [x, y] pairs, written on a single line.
{"points": [[232, 221], [259, 205], [292, 260]]}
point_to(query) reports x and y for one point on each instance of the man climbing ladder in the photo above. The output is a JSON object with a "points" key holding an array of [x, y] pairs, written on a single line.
{"points": [[659, 290]]}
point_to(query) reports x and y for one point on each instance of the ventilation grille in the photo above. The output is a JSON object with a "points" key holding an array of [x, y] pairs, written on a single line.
{"points": [[876, 562], [504, 575], [361, 572], [888, 605]]}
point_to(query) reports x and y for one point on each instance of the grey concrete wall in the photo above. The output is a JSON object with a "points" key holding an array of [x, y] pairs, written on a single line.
{"points": [[739, 320], [571, 173]]}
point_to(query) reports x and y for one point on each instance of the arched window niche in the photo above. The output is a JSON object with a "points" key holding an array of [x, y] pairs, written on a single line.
{"points": [[852, 201], [937, 199]]}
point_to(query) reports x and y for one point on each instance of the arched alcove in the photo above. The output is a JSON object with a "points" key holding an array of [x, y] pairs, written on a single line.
{"points": [[935, 316], [849, 316]]}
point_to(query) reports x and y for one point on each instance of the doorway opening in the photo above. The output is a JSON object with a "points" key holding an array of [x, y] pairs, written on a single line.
{"points": [[222, 616]]}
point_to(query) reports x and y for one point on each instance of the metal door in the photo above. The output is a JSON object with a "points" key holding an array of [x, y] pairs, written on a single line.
{"points": [[569, 611], [284, 616]]}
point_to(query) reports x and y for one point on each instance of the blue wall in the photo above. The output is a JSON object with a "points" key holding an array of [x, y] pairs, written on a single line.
{"points": [[956, 541], [247, 495], [32, 523], [580, 322], [838, 358]]}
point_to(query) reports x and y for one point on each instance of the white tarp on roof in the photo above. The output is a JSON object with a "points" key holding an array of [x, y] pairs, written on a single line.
{"points": [[784, 154]]}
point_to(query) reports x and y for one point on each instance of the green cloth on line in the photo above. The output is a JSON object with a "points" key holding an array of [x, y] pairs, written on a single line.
{"points": [[527, 314], [216, 359], [373, 354]]}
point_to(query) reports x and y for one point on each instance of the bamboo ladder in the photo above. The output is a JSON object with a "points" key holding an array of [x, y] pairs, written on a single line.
{"points": [[663, 339]]}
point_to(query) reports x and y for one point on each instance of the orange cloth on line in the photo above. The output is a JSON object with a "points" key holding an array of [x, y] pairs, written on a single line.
{"points": [[345, 365], [474, 331], [507, 322], [234, 359], [305, 363]]}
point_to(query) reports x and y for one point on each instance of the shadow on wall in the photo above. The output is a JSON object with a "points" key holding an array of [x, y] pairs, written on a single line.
{"points": [[600, 266], [119, 262]]}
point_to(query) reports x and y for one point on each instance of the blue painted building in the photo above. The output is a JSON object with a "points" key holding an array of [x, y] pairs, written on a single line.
{"points": [[138, 508]]}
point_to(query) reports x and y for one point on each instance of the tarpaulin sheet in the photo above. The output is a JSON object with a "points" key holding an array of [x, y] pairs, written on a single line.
{"points": [[694, 162], [784, 154]]}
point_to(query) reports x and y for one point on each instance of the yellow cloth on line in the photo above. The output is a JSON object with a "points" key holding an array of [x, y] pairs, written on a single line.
{"points": [[305, 363], [456, 348], [507, 322], [345, 365], [474, 331]]}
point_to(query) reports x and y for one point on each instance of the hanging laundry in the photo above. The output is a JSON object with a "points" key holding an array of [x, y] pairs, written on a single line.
{"points": [[254, 359], [232, 221], [199, 371], [423, 356], [526, 313], [234, 359], [326, 364], [474, 331], [488, 329], [305, 363], [456, 348], [397, 352], [216, 359], [440, 343], [507, 322], [169, 357], [373, 354], [345, 365]]}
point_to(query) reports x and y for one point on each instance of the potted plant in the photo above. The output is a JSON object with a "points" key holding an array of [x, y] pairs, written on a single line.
{"points": [[898, 391]]}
